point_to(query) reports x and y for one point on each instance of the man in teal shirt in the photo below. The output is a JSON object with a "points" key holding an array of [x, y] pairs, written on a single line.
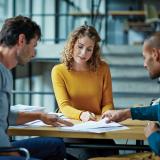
{"points": [[151, 54]]}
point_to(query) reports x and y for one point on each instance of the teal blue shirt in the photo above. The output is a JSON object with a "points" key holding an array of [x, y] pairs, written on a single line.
{"points": [[149, 113]]}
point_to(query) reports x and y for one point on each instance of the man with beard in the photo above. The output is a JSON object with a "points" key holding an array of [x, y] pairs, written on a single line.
{"points": [[151, 54]]}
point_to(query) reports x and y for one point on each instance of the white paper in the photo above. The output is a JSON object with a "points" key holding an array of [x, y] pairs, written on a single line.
{"points": [[35, 123], [39, 123], [26, 108], [90, 126], [95, 130], [108, 129], [96, 126]]}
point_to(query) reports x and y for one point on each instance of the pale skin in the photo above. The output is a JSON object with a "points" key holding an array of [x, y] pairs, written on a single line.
{"points": [[152, 64], [82, 52], [21, 53]]}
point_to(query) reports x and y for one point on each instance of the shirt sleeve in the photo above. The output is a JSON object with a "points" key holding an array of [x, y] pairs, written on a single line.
{"points": [[12, 118], [107, 97], [62, 96], [4, 139], [146, 113], [154, 142]]}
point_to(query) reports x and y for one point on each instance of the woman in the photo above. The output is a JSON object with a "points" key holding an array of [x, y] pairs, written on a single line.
{"points": [[82, 83]]}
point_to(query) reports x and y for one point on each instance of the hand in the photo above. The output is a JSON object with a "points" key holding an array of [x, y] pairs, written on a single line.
{"points": [[150, 128], [117, 115], [54, 120], [87, 116]]}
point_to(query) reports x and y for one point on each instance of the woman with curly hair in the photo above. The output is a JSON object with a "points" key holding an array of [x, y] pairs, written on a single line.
{"points": [[82, 83]]}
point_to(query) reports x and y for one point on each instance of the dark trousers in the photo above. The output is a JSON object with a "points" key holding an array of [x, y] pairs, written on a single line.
{"points": [[86, 153], [44, 148]]}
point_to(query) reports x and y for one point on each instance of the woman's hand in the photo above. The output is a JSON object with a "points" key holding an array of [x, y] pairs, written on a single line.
{"points": [[87, 116]]}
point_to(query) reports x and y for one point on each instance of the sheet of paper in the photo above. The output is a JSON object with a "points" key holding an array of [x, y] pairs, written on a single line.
{"points": [[35, 123], [96, 126], [108, 129], [26, 108], [90, 126], [39, 123], [95, 130]]}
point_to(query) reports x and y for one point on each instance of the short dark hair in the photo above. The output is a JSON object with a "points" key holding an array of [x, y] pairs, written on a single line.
{"points": [[153, 40], [15, 26]]}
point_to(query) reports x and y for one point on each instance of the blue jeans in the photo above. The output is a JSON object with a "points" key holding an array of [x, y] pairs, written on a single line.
{"points": [[45, 148]]}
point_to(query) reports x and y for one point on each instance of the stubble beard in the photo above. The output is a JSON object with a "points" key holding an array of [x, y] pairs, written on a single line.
{"points": [[154, 76]]}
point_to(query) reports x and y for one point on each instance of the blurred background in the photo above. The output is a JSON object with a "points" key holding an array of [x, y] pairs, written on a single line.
{"points": [[122, 24]]}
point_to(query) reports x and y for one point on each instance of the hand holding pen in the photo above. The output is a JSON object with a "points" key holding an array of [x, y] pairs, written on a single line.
{"points": [[87, 116]]}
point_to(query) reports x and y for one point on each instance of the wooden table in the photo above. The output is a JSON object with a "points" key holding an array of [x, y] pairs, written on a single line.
{"points": [[135, 132]]}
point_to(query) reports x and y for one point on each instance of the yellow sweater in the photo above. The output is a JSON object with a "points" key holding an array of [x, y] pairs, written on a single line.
{"points": [[78, 91]]}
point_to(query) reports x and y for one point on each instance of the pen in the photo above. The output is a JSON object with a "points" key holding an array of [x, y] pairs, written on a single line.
{"points": [[92, 115]]}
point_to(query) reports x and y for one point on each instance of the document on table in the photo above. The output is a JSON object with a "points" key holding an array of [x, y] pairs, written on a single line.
{"points": [[90, 126], [26, 108], [96, 126], [36, 123], [39, 123]]}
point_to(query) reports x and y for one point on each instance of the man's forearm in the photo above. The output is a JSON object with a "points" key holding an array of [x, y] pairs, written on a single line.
{"points": [[145, 113], [122, 115], [25, 117]]}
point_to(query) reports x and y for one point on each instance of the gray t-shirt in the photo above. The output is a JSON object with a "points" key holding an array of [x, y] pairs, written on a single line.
{"points": [[6, 117]]}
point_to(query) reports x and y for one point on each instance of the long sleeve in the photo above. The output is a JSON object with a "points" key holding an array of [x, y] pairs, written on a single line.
{"points": [[107, 98], [78, 91], [4, 139], [146, 113], [149, 113], [12, 118], [5, 89], [62, 97], [154, 142]]}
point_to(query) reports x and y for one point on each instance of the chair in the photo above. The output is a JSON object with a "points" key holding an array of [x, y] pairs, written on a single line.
{"points": [[23, 151], [151, 15]]}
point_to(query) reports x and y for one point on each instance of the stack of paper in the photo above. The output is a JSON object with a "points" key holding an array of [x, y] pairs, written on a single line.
{"points": [[96, 126], [90, 126], [26, 108]]}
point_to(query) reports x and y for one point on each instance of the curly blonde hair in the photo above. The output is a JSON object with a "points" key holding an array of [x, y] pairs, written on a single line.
{"points": [[82, 31]]}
